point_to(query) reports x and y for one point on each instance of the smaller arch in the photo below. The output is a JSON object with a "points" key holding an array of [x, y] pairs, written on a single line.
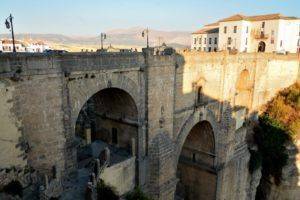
{"points": [[197, 158], [261, 46]]}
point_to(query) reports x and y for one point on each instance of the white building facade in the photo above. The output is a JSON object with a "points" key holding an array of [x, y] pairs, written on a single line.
{"points": [[206, 39], [262, 33]]}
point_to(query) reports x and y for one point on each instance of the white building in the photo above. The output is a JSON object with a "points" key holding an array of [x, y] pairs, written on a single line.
{"points": [[7, 46], [206, 39], [37, 47], [261, 33]]}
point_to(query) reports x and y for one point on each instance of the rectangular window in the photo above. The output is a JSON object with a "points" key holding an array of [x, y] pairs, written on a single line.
{"points": [[225, 29], [263, 24], [247, 29], [209, 49], [200, 40], [229, 40], [246, 41], [209, 41], [216, 40], [114, 138], [204, 40], [194, 157], [272, 41], [215, 49], [234, 29], [281, 43], [204, 49], [195, 40]]}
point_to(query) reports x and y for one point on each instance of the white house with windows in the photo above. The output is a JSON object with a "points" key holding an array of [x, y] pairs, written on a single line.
{"points": [[206, 39], [261, 33], [7, 46]]}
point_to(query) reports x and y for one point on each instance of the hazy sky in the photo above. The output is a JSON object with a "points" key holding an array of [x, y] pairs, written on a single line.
{"points": [[90, 17]]}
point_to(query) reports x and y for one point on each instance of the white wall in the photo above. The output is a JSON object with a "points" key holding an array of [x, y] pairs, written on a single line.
{"points": [[121, 176], [200, 46]]}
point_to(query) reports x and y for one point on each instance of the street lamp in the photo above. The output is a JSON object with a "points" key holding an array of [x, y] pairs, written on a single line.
{"points": [[9, 25], [103, 37], [146, 32]]}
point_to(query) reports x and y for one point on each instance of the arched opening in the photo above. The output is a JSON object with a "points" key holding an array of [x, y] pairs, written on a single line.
{"points": [[195, 170], [261, 46], [108, 121], [243, 89]]}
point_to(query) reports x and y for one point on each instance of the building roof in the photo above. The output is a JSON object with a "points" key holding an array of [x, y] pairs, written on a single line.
{"points": [[239, 17], [8, 41], [207, 30]]}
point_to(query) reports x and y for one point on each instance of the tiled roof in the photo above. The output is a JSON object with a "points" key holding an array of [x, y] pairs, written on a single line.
{"points": [[239, 17], [206, 30]]}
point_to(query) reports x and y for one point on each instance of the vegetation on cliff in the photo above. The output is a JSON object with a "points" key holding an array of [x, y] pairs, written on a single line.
{"points": [[278, 125]]}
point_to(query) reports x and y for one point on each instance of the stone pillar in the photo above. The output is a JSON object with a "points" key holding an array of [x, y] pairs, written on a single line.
{"points": [[87, 133], [107, 155], [133, 147]]}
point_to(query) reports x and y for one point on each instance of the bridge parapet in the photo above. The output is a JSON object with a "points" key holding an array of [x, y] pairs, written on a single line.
{"points": [[43, 63]]}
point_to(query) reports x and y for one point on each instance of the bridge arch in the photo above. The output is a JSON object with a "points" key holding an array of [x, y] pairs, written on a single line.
{"points": [[82, 90], [196, 158]]}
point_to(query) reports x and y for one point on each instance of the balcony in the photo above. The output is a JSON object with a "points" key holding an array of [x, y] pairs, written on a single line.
{"points": [[259, 35]]}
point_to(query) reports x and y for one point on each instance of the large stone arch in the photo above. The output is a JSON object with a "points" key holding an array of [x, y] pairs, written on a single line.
{"points": [[83, 89]]}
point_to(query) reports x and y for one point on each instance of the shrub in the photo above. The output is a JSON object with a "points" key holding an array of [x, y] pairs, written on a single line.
{"points": [[14, 188], [105, 191], [136, 194]]}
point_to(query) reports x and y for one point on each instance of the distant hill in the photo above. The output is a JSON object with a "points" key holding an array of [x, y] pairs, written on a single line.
{"points": [[117, 37]]}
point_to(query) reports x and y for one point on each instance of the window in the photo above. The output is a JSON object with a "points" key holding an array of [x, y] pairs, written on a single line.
{"points": [[209, 41], [215, 49], [209, 49], [229, 40], [281, 43], [199, 95], [195, 48], [194, 157], [204, 40], [272, 32], [200, 40], [234, 29], [272, 41], [204, 49], [247, 29], [114, 138], [225, 29], [199, 49], [298, 44], [216, 40], [263, 24], [195, 40], [246, 41]]}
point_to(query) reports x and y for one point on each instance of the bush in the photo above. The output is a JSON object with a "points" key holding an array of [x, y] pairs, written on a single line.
{"points": [[136, 194], [271, 137], [14, 188], [105, 191]]}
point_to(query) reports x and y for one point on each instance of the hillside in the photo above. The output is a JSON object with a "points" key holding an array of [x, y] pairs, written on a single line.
{"points": [[122, 38]]}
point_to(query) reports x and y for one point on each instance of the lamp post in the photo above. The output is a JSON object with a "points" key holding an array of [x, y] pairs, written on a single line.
{"points": [[9, 25], [146, 32], [103, 37]]}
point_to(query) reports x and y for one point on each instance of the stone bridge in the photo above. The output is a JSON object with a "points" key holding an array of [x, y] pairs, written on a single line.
{"points": [[187, 114]]}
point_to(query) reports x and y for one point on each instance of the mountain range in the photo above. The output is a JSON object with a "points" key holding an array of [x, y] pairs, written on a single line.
{"points": [[131, 37]]}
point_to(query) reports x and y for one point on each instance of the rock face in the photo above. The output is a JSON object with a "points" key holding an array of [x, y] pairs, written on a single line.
{"points": [[41, 96], [290, 185]]}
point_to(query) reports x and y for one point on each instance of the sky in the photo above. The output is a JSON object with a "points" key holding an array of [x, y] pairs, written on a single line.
{"points": [[91, 17]]}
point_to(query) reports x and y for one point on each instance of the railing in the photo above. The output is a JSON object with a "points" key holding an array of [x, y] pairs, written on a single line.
{"points": [[259, 35]]}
